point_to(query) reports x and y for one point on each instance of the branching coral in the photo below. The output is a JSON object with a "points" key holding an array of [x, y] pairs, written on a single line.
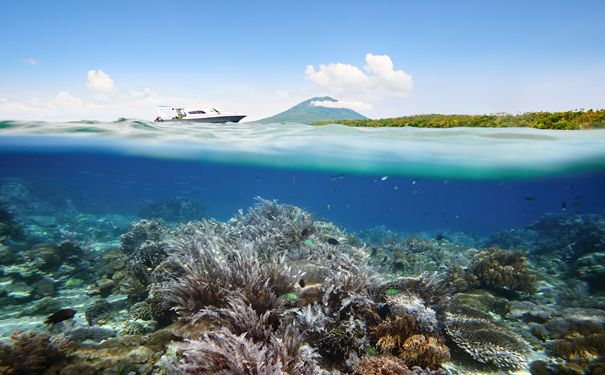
{"points": [[390, 334], [424, 351], [223, 352], [381, 365], [31, 352], [579, 349], [209, 269], [504, 270], [239, 318]]}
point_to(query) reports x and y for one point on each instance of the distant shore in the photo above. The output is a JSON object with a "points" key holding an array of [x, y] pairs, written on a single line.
{"points": [[570, 120]]}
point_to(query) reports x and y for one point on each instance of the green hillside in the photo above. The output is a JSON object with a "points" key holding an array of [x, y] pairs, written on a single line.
{"points": [[307, 113], [570, 120]]}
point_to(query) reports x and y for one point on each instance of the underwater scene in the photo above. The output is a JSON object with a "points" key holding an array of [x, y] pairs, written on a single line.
{"points": [[133, 247]]}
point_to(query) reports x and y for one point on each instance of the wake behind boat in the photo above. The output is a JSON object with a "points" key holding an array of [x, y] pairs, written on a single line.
{"points": [[197, 114]]}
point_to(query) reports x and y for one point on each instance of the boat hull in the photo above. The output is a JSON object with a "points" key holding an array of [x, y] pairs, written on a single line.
{"points": [[210, 120]]}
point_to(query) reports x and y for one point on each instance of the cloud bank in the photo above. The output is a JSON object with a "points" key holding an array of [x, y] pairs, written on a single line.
{"points": [[378, 80]]}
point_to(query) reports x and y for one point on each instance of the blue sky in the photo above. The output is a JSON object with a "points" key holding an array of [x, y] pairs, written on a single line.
{"points": [[253, 57]]}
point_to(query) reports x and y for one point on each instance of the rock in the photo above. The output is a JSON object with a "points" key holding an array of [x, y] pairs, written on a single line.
{"points": [[531, 312], [105, 286], [44, 306], [96, 334], [98, 311], [44, 287], [45, 257], [591, 268]]}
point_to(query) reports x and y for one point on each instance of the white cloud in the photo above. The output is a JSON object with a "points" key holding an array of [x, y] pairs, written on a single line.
{"points": [[99, 81], [30, 61], [65, 99], [357, 106], [378, 80]]}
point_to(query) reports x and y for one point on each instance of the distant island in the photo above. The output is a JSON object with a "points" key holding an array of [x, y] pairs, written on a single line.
{"points": [[315, 110], [570, 120]]}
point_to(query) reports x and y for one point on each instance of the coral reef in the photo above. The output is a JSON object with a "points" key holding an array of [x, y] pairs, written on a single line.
{"points": [[32, 353], [175, 210], [9, 228], [503, 270]]}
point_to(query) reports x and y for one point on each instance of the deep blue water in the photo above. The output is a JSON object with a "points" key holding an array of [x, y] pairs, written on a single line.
{"points": [[107, 183]]}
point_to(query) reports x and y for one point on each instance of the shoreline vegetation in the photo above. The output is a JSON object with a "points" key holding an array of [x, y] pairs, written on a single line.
{"points": [[570, 120]]}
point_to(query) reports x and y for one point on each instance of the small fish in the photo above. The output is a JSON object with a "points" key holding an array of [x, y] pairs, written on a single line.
{"points": [[257, 179], [337, 177], [384, 310], [414, 182], [439, 237], [333, 241], [384, 178], [328, 206], [374, 250], [396, 187], [529, 198], [294, 179], [59, 316], [301, 282], [563, 206], [385, 259], [446, 182]]}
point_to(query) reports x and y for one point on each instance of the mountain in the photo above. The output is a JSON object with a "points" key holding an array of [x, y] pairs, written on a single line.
{"points": [[307, 113]]}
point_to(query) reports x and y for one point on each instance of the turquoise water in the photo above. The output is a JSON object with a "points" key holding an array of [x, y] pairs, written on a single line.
{"points": [[507, 223]]}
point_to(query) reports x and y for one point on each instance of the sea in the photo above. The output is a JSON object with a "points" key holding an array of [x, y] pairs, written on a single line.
{"points": [[508, 222]]}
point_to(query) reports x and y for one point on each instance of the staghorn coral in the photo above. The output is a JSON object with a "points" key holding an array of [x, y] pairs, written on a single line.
{"points": [[503, 270], [426, 352], [381, 365], [223, 352], [487, 342], [32, 352]]}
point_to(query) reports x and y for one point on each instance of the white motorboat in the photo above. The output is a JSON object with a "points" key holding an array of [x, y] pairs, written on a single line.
{"points": [[196, 114]]}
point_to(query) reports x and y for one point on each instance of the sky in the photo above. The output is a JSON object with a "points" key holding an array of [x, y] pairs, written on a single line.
{"points": [[71, 60]]}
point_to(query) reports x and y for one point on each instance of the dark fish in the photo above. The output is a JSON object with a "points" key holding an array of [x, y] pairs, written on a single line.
{"points": [[439, 237], [301, 282], [374, 250], [563, 206], [337, 177], [530, 198], [304, 232], [385, 259], [59, 316], [384, 311], [333, 241]]}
